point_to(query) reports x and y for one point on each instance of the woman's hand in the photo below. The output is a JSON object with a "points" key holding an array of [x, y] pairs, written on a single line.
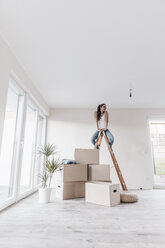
{"points": [[101, 129]]}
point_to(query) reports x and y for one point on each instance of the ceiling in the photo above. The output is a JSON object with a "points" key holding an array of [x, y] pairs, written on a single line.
{"points": [[82, 53]]}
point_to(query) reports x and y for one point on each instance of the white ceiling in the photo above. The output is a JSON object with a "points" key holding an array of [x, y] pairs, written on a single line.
{"points": [[82, 53]]}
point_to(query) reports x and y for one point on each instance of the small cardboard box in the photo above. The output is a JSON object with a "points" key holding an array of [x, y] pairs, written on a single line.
{"points": [[87, 156], [99, 172], [70, 190], [102, 193], [71, 173]]}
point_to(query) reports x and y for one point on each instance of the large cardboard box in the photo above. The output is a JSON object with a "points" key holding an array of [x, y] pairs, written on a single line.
{"points": [[102, 193], [70, 190], [87, 156], [71, 173], [99, 172]]}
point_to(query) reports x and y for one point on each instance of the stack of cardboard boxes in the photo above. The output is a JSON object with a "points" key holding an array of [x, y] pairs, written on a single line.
{"points": [[87, 179]]}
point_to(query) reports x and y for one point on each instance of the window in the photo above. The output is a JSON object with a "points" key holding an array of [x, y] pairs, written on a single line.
{"points": [[40, 142], [28, 149], [157, 133], [24, 131], [9, 144]]}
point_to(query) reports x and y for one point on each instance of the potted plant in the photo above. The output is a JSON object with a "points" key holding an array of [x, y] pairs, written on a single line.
{"points": [[50, 165], [53, 166], [44, 191]]}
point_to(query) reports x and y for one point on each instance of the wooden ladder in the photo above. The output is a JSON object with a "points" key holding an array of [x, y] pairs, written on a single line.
{"points": [[97, 145]]}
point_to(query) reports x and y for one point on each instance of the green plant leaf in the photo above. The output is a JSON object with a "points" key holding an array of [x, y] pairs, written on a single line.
{"points": [[53, 165], [44, 177], [47, 150]]}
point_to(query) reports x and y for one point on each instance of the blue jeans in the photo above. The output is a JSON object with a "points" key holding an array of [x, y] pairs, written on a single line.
{"points": [[108, 134]]}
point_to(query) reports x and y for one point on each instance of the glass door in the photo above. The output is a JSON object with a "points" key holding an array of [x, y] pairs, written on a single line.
{"points": [[157, 133], [23, 132], [9, 143], [40, 142], [28, 149]]}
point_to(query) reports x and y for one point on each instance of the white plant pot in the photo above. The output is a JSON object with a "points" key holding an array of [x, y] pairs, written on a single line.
{"points": [[44, 195]]}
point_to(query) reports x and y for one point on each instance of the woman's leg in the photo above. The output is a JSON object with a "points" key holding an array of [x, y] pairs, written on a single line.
{"points": [[110, 137], [94, 137]]}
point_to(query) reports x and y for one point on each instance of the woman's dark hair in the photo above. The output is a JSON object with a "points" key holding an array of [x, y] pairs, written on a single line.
{"points": [[99, 111]]}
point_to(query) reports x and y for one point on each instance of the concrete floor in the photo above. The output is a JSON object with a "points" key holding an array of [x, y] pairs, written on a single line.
{"points": [[76, 224]]}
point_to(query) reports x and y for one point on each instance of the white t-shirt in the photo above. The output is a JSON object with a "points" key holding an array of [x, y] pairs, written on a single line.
{"points": [[102, 122]]}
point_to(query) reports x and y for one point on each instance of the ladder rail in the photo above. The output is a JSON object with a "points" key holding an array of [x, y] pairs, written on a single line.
{"points": [[120, 176], [98, 143]]}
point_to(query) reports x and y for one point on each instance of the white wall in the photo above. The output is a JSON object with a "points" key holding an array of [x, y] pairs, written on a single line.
{"points": [[8, 64], [70, 128]]}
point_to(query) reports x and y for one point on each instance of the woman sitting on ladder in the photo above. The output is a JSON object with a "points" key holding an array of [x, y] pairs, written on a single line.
{"points": [[101, 117]]}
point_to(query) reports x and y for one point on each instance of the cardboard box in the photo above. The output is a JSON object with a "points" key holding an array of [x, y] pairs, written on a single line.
{"points": [[70, 190], [99, 172], [87, 156], [102, 193], [71, 173]]}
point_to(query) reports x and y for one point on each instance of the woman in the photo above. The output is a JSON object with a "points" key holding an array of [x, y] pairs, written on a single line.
{"points": [[101, 117]]}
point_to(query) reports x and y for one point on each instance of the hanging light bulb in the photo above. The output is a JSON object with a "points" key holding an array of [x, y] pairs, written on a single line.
{"points": [[130, 89], [130, 93]]}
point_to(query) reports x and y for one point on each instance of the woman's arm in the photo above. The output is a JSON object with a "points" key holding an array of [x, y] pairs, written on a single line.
{"points": [[106, 119], [95, 116]]}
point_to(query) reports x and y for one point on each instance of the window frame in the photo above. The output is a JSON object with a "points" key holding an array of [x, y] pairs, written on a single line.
{"points": [[24, 97]]}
